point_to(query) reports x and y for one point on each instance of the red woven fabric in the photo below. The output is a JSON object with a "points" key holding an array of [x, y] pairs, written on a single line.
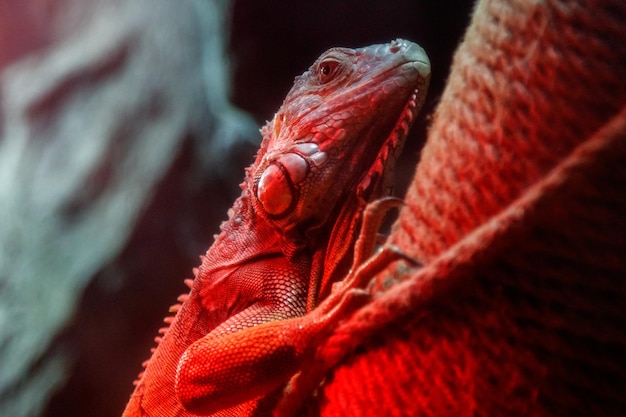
{"points": [[518, 211]]}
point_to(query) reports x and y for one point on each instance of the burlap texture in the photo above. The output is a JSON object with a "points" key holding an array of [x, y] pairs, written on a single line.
{"points": [[517, 211]]}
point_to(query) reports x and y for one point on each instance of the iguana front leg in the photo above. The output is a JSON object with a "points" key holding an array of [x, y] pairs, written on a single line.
{"points": [[242, 331], [217, 373], [241, 365]]}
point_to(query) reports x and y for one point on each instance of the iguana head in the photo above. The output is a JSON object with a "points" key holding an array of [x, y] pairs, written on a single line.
{"points": [[335, 132]]}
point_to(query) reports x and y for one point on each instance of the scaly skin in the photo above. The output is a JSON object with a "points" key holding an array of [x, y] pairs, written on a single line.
{"points": [[250, 320]]}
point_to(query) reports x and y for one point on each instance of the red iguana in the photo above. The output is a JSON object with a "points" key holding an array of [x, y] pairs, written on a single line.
{"points": [[253, 316]]}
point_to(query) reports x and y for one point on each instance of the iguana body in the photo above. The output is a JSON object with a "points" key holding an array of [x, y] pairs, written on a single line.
{"points": [[250, 321]]}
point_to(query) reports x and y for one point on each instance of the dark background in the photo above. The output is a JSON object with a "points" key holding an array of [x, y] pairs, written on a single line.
{"points": [[270, 42]]}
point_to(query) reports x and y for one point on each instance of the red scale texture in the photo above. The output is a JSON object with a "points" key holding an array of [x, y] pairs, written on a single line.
{"points": [[517, 211]]}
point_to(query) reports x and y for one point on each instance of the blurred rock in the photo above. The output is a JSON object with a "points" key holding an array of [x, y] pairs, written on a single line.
{"points": [[96, 105]]}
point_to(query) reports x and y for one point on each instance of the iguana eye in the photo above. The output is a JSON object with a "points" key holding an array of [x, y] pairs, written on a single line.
{"points": [[328, 70]]}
